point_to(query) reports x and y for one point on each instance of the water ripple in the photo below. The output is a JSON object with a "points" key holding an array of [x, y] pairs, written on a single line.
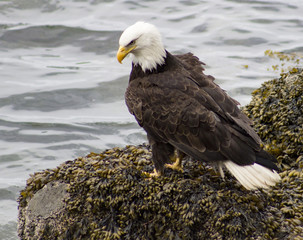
{"points": [[62, 90]]}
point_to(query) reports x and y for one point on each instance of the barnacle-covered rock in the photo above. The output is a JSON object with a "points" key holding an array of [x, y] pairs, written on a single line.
{"points": [[107, 196]]}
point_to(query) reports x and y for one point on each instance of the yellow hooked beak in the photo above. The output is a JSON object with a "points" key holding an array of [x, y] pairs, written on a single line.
{"points": [[123, 52]]}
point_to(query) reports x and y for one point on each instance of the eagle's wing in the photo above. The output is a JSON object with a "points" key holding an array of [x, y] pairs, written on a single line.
{"points": [[197, 117], [192, 63], [227, 104]]}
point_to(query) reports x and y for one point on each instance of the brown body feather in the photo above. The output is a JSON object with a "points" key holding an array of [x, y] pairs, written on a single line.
{"points": [[182, 108]]}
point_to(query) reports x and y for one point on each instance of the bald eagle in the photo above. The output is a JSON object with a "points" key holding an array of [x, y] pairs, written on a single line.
{"points": [[184, 112]]}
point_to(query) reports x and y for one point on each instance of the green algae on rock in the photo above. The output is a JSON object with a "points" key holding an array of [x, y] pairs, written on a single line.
{"points": [[277, 112], [106, 196]]}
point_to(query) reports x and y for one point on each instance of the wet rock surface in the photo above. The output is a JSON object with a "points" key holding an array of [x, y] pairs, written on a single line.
{"points": [[107, 195]]}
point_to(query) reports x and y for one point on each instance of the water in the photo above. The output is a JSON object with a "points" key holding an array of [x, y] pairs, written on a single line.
{"points": [[62, 90]]}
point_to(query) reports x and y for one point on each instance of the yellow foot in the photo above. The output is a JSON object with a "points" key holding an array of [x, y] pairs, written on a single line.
{"points": [[151, 175], [177, 165]]}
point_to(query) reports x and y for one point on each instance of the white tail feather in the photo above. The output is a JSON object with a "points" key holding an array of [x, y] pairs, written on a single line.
{"points": [[253, 176]]}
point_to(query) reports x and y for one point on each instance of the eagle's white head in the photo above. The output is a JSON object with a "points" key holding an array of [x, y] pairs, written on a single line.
{"points": [[143, 41]]}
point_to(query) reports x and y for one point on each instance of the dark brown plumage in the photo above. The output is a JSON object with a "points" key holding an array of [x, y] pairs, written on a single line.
{"points": [[179, 106]]}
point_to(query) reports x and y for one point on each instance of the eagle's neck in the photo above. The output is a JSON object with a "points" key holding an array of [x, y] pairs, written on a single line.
{"points": [[148, 58], [169, 62]]}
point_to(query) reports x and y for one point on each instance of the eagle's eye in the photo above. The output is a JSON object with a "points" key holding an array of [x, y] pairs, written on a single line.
{"points": [[131, 43]]}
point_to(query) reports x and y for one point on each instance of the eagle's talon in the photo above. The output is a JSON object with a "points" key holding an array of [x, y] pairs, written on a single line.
{"points": [[152, 175], [177, 165]]}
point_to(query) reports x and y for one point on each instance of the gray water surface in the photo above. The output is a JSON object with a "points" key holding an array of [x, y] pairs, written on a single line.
{"points": [[62, 89]]}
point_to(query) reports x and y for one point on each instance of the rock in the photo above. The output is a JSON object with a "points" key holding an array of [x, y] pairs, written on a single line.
{"points": [[42, 210], [107, 196], [46, 201]]}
